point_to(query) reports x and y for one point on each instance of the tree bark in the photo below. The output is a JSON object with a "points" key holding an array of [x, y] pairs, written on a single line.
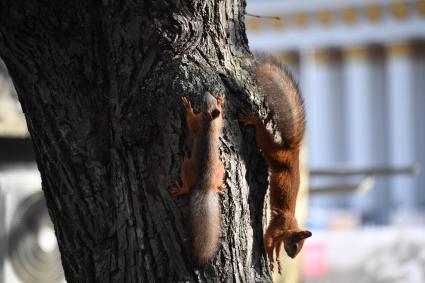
{"points": [[100, 85]]}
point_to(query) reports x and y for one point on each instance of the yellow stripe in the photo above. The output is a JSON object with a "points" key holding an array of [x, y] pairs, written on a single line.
{"points": [[399, 49], [356, 53], [349, 15], [277, 23], [325, 17], [326, 55], [300, 20], [253, 24], [420, 7], [374, 13], [400, 10]]}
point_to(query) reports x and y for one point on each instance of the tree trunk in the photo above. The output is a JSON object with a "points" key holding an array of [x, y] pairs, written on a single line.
{"points": [[100, 84]]}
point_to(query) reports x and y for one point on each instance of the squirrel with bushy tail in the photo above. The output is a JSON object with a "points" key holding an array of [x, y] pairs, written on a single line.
{"points": [[202, 176], [283, 97]]}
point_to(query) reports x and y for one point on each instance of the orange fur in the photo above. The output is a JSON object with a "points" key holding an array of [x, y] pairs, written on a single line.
{"points": [[282, 95], [202, 176]]}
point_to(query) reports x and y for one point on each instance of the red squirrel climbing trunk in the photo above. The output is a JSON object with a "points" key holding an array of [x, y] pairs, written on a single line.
{"points": [[283, 97], [202, 175]]}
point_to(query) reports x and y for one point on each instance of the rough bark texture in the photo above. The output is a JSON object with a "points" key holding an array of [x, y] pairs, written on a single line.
{"points": [[100, 84]]}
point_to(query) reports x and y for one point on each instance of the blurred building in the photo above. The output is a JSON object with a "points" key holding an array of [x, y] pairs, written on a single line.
{"points": [[28, 248], [361, 67]]}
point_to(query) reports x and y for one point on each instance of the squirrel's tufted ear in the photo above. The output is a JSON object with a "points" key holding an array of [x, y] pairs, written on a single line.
{"points": [[301, 235], [215, 113]]}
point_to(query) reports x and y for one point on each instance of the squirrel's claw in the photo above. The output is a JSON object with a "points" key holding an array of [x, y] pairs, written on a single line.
{"points": [[271, 266], [220, 190], [186, 103], [220, 100], [279, 266]]}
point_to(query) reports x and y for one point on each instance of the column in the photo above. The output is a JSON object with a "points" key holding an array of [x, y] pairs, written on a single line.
{"points": [[400, 78], [419, 79], [320, 81], [364, 87]]}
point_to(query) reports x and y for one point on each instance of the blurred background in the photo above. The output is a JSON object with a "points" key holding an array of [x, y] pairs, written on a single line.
{"points": [[28, 248], [361, 68]]}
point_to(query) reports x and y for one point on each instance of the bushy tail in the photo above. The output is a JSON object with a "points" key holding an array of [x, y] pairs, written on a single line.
{"points": [[284, 98], [205, 217]]}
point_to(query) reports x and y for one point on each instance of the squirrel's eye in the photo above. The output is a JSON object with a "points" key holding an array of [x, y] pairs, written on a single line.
{"points": [[295, 247]]}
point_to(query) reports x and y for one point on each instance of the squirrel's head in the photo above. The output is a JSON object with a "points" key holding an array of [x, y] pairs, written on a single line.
{"points": [[209, 107], [294, 241]]}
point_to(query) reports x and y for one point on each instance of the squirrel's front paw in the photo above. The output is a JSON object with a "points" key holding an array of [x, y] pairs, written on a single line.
{"points": [[279, 266], [271, 266], [186, 103]]}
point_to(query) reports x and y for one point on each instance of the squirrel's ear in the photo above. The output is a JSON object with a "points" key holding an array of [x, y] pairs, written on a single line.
{"points": [[301, 235], [215, 113]]}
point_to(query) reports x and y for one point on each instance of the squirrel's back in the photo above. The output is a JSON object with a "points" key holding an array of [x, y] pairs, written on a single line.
{"points": [[284, 98], [204, 201]]}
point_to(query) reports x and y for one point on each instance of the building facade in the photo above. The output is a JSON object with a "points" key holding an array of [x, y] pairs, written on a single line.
{"points": [[361, 67]]}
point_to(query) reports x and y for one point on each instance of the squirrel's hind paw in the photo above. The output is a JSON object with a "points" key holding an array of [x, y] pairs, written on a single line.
{"points": [[178, 190]]}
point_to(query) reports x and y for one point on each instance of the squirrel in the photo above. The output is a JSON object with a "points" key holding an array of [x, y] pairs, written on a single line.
{"points": [[282, 95], [202, 175]]}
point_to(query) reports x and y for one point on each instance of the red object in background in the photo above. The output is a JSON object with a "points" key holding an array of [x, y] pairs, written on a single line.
{"points": [[314, 263]]}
